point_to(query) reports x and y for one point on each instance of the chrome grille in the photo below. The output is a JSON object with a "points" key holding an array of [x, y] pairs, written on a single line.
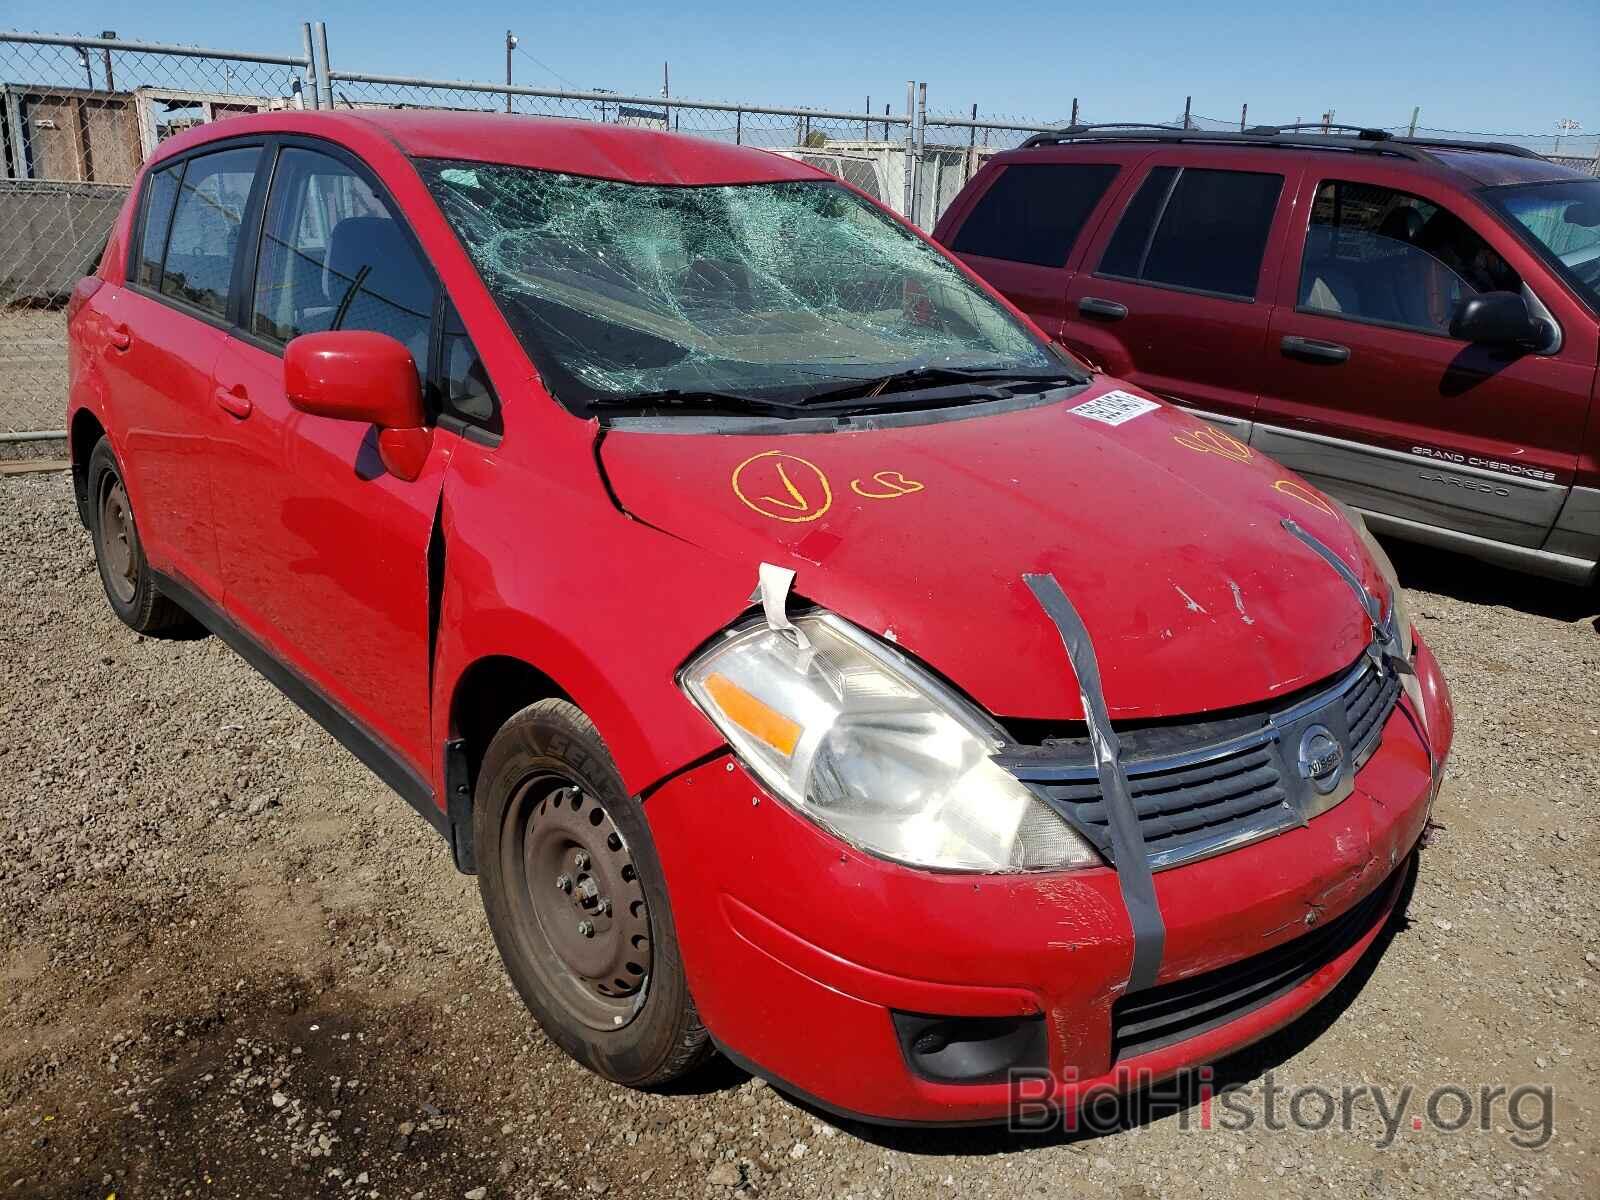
{"points": [[1207, 787]]}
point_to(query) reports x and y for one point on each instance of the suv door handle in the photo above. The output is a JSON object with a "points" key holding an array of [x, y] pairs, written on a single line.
{"points": [[235, 402], [119, 337], [1110, 310], [1314, 351]]}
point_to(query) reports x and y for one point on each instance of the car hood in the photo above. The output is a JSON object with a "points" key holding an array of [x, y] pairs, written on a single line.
{"points": [[1166, 535]]}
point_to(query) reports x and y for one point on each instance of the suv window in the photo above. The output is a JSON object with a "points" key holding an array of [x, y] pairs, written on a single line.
{"points": [[333, 256], [159, 193], [1196, 228], [1374, 254], [1034, 212], [198, 265]]}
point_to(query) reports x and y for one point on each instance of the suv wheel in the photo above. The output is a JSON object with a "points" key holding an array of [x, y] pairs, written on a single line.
{"points": [[577, 901], [124, 572]]}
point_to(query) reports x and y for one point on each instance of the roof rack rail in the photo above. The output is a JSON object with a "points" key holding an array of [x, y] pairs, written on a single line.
{"points": [[1369, 141]]}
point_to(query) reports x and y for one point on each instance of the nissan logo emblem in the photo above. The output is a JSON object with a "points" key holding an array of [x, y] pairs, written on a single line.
{"points": [[1321, 758]]}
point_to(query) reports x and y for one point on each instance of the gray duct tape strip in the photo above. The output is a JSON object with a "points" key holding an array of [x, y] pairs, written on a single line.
{"points": [[1385, 638], [1127, 842]]}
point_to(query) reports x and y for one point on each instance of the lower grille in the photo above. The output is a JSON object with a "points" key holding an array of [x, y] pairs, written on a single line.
{"points": [[1173, 1012]]}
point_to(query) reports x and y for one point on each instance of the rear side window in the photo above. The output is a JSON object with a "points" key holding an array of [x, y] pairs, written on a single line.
{"points": [[204, 241], [1196, 228], [334, 257], [1034, 212], [1375, 254], [159, 193]]}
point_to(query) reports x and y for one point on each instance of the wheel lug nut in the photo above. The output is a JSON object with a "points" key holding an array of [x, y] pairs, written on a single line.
{"points": [[586, 928], [580, 860], [563, 883]]}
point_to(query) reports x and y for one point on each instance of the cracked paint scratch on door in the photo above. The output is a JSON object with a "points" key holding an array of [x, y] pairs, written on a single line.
{"points": [[1189, 601], [1238, 603]]}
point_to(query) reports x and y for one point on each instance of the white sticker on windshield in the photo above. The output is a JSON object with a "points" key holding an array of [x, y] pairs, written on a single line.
{"points": [[1115, 407]]}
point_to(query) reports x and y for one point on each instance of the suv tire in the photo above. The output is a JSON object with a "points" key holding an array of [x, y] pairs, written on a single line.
{"points": [[577, 901], [125, 573]]}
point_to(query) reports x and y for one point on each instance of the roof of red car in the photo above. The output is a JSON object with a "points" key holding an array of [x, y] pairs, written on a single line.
{"points": [[621, 152]]}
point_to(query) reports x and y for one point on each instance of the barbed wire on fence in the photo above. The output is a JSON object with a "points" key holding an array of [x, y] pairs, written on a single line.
{"points": [[79, 115]]}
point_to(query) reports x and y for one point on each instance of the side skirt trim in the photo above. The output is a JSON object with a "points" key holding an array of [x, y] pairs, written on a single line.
{"points": [[377, 755]]}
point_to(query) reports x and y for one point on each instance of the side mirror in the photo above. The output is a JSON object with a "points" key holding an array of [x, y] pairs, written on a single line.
{"points": [[357, 375], [1497, 318]]}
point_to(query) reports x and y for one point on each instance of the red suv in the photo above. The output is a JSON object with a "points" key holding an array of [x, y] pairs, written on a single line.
{"points": [[809, 659], [1411, 325]]}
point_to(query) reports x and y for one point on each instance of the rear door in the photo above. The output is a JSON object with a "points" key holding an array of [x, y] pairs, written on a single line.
{"points": [[1175, 292], [1020, 228], [1366, 392], [168, 325], [324, 553]]}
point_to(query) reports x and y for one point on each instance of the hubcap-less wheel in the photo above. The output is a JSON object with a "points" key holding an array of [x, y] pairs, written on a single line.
{"points": [[574, 888], [118, 540]]}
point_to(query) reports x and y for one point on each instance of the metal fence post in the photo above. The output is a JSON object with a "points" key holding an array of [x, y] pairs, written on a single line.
{"points": [[911, 141], [922, 142], [327, 65], [312, 74]]}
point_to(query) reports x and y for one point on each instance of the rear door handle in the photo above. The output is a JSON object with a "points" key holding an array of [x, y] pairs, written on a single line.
{"points": [[119, 337], [235, 402], [1314, 351], [1109, 310]]}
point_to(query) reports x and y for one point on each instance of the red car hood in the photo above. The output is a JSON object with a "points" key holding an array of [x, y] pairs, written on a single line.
{"points": [[1165, 535]]}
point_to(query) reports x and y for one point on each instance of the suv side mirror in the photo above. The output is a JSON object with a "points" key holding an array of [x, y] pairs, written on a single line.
{"points": [[357, 375], [1497, 318]]}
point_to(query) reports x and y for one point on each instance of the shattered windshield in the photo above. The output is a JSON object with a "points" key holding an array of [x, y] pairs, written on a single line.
{"points": [[784, 291]]}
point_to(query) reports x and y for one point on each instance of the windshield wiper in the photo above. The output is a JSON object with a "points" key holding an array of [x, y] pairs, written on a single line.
{"points": [[709, 402], [918, 378]]}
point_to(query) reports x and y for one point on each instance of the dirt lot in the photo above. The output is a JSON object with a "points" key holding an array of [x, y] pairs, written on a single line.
{"points": [[233, 964], [33, 368]]}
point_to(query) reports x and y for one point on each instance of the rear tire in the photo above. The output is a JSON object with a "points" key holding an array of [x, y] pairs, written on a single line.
{"points": [[124, 571], [577, 900]]}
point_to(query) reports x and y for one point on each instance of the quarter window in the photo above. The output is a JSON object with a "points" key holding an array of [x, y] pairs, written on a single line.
{"points": [[463, 381], [333, 256], [159, 193], [1374, 254], [1034, 212], [1196, 228], [198, 266]]}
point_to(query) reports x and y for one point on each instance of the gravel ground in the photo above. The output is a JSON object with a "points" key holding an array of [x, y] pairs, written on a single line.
{"points": [[233, 964]]}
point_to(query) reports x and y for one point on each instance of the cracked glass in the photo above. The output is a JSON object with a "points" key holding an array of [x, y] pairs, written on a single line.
{"points": [[778, 290]]}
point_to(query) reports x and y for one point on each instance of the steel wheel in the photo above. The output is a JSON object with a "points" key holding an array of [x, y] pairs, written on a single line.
{"points": [[119, 540], [577, 901]]}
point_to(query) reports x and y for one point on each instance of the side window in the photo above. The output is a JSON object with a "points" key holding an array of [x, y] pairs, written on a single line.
{"points": [[333, 256], [1034, 212], [1196, 228], [1373, 254], [205, 227], [463, 383], [160, 190]]}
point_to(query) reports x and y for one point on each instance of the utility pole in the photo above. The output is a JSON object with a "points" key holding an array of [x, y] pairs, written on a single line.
{"points": [[1244, 113], [1074, 120], [511, 44], [1187, 101], [1415, 113], [869, 119]]}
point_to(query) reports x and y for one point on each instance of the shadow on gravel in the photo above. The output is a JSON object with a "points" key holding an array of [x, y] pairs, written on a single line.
{"points": [[1475, 582], [1175, 1099]]}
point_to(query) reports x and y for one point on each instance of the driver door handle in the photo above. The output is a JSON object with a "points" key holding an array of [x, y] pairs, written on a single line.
{"points": [[235, 401], [1109, 310], [1311, 350]]}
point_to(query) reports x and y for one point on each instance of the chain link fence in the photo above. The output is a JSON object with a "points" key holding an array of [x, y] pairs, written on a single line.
{"points": [[78, 116]]}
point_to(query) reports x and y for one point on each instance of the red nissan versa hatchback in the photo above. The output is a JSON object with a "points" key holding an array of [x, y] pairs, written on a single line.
{"points": [[1412, 325], [809, 660]]}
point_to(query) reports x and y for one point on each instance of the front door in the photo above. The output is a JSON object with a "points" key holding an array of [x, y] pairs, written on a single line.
{"points": [[1369, 396], [325, 554], [1174, 295]]}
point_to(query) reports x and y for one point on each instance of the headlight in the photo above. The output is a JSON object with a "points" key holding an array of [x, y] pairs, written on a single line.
{"points": [[860, 739]]}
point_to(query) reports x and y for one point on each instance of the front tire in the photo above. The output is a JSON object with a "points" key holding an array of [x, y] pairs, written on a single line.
{"points": [[577, 901], [125, 573]]}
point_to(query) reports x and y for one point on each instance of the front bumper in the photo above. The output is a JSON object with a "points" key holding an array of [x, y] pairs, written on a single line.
{"points": [[799, 948]]}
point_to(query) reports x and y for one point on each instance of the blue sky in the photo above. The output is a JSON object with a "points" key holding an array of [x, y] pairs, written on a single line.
{"points": [[1471, 65]]}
